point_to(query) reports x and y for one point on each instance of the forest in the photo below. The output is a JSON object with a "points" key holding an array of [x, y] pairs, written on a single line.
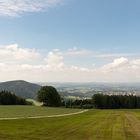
{"points": [[102, 101], [7, 98]]}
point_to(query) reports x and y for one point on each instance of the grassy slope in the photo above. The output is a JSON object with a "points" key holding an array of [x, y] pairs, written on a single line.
{"points": [[92, 125]]}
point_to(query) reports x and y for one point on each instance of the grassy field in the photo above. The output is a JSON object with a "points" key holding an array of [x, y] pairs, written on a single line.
{"points": [[92, 125], [31, 111]]}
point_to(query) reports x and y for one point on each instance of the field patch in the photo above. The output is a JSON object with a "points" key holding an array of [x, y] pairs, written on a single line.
{"points": [[15, 112], [91, 125]]}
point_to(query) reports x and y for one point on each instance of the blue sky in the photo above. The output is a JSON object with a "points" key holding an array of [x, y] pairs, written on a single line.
{"points": [[80, 36], [91, 24]]}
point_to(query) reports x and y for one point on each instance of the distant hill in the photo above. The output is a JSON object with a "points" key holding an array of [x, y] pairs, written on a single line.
{"points": [[21, 88]]}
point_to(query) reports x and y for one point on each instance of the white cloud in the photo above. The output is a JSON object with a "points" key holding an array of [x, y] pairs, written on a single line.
{"points": [[82, 69], [78, 52], [113, 55], [13, 53], [15, 64], [94, 54], [17, 7], [54, 60], [117, 63], [136, 62]]}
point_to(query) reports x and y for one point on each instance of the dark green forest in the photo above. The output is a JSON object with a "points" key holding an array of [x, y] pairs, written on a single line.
{"points": [[102, 101], [7, 98]]}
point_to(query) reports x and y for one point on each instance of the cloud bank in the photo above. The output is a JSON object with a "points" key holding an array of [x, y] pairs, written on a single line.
{"points": [[29, 64], [18, 7]]}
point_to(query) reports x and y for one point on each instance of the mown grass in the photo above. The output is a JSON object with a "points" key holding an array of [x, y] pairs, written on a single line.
{"points": [[31, 111], [92, 125]]}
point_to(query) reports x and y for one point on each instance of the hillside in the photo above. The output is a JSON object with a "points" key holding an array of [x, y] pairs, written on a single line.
{"points": [[21, 88]]}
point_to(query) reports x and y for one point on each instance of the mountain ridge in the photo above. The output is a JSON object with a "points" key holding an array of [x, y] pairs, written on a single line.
{"points": [[21, 88]]}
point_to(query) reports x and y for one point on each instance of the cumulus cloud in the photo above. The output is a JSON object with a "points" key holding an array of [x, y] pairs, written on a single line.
{"points": [[116, 64], [54, 60], [15, 63], [17, 7], [14, 53]]}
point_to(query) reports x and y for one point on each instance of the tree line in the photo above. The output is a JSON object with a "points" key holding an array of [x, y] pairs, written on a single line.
{"points": [[102, 101], [7, 98], [77, 103]]}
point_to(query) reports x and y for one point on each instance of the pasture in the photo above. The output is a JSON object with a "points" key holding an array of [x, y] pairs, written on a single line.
{"points": [[91, 125]]}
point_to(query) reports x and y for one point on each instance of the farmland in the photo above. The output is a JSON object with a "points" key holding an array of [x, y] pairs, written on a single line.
{"points": [[91, 125]]}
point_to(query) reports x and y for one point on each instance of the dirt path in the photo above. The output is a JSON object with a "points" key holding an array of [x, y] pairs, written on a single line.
{"points": [[50, 116]]}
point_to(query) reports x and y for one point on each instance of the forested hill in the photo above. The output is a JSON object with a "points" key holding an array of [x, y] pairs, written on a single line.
{"points": [[21, 88]]}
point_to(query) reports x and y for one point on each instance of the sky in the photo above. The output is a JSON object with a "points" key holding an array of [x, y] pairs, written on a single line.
{"points": [[70, 40]]}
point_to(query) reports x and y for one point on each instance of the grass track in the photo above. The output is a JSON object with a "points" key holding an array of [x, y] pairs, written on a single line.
{"points": [[92, 125]]}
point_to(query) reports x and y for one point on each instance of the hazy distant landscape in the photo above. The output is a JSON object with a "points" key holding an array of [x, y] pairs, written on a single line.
{"points": [[82, 90], [88, 89]]}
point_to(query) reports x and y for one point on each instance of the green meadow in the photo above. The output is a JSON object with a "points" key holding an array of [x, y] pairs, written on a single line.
{"points": [[31, 111], [91, 125]]}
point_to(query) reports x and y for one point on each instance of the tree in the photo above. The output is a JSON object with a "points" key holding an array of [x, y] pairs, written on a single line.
{"points": [[49, 96]]}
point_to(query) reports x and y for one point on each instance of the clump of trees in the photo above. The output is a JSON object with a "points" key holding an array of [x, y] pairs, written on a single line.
{"points": [[78, 103], [102, 101], [7, 98], [49, 96]]}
